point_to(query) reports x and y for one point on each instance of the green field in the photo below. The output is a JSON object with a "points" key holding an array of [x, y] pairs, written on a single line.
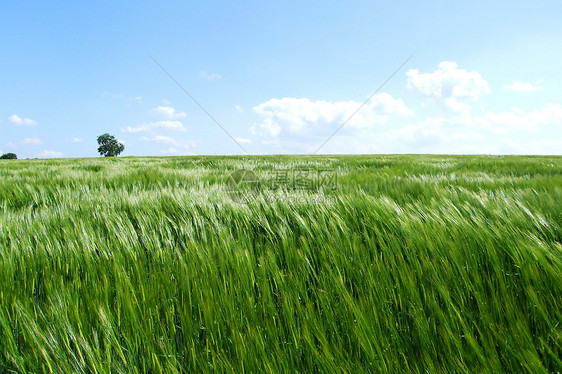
{"points": [[394, 264]]}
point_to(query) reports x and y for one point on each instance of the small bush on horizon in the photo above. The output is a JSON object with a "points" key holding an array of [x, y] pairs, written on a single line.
{"points": [[9, 156]]}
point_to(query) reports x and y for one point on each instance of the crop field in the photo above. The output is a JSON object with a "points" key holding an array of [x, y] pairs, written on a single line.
{"points": [[316, 264]]}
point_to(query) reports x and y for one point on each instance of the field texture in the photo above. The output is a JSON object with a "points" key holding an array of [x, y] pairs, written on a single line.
{"points": [[332, 264]]}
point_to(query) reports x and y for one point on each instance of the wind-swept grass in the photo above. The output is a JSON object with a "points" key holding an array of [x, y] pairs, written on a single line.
{"points": [[412, 264]]}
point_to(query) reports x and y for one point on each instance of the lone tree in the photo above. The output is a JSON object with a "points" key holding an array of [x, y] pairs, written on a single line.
{"points": [[109, 146], [9, 156]]}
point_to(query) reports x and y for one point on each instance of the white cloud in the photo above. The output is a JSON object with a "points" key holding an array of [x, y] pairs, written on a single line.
{"points": [[168, 112], [515, 131], [551, 114], [50, 154], [170, 151], [243, 140], [18, 121], [77, 140], [239, 109], [420, 134], [448, 85], [33, 141], [386, 125], [267, 128], [159, 139], [209, 76], [298, 116], [168, 145], [120, 96], [170, 125], [174, 151], [523, 87]]}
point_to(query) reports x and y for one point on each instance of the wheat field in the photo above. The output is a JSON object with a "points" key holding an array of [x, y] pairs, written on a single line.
{"points": [[334, 264]]}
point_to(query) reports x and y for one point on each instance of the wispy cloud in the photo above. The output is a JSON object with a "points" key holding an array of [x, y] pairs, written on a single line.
{"points": [[209, 76], [32, 141], [18, 121], [517, 118], [170, 125], [168, 112], [177, 151], [50, 154], [244, 140], [523, 87], [159, 139], [120, 96]]}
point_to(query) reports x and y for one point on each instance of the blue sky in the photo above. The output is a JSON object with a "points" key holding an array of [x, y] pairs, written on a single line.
{"points": [[281, 77]]}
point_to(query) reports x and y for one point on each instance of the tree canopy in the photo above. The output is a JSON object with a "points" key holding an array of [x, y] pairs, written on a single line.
{"points": [[9, 156], [109, 146]]}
